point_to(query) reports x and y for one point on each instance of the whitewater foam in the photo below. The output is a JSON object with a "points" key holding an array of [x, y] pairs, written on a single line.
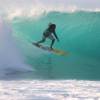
{"points": [[50, 90], [34, 13]]}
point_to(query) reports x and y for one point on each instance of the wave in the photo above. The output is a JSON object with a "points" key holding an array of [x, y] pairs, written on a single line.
{"points": [[79, 35]]}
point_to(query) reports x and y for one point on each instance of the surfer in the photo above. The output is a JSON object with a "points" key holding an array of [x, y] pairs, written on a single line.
{"points": [[49, 33]]}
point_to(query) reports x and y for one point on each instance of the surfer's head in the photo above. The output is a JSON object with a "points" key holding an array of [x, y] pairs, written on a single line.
{"points": [[52, 26]]}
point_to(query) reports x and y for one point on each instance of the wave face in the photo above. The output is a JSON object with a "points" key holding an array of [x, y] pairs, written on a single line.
{"points": [[79, 34]]}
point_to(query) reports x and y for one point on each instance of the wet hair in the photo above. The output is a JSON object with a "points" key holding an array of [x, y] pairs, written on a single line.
{"points": [[52, 26]]}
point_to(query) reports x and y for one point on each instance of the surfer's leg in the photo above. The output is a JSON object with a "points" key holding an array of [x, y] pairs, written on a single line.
{"points": [[52, 43], [51, 37], [41, 41]]}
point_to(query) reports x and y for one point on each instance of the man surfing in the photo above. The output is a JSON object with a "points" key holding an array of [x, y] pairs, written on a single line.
{"points": [[50, 34]]}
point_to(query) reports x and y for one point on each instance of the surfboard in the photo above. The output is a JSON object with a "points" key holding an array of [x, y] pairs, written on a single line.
{"points": [[55, 51]]}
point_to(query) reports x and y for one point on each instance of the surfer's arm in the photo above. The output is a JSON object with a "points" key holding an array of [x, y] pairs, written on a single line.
{"points": [[56, 35]]}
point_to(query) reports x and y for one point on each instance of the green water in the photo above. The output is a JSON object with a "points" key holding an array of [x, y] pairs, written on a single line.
{"points": [[79, 34]]}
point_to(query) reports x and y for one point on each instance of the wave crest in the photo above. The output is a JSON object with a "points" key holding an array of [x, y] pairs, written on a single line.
{"points": [[37, 11]]}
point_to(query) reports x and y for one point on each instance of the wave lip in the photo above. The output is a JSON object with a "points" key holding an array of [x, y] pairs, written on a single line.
{"points": [[39, 10]]}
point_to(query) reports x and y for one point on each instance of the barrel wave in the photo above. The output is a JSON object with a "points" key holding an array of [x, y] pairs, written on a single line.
{"points": [[79, 35]]}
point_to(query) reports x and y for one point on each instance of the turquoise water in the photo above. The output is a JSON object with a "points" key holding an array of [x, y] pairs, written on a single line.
{"points": [[79, 34]]}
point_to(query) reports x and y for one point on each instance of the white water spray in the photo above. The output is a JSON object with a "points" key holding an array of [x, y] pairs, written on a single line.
{"points": [[10, 57]]}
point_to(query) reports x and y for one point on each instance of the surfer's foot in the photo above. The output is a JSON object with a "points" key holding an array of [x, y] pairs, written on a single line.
{"points": [[51, 48], [37, 44]]}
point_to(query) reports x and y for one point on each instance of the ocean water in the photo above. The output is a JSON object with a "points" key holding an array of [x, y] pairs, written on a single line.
{"points": [[29, 73], [79, 36]]}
